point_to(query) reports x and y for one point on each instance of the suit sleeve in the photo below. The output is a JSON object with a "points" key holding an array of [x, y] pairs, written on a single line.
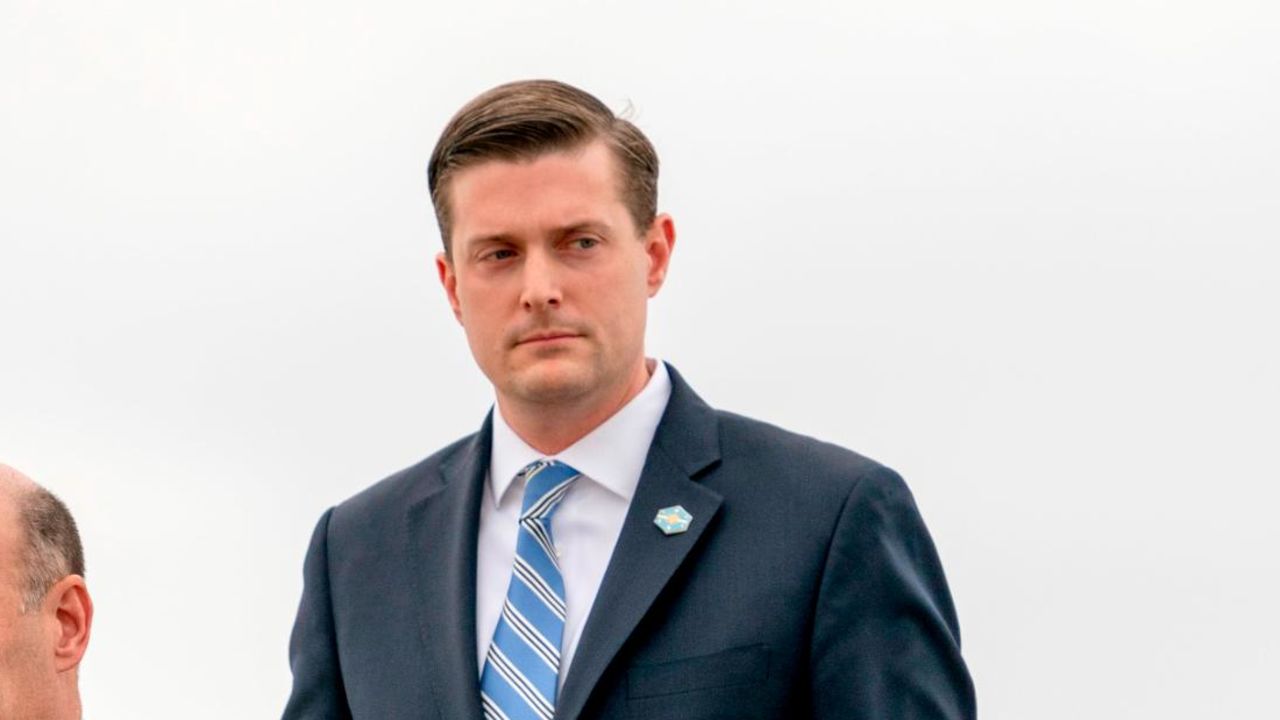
{"points": [[886, 642], [318, 692]]}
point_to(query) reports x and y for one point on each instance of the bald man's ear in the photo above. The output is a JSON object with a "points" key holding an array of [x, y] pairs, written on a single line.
{"points": [[70, 611]]}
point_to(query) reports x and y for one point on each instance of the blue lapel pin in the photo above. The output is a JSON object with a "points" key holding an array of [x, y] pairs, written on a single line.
{"points": [[673, 520]]}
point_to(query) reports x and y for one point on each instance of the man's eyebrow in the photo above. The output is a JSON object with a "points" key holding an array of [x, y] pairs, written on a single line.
{"points": [[491, 238], [595, 226]]}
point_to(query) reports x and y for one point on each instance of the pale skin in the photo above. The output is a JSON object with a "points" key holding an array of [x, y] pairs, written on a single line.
{"points": [[41, 648], [550, 278]]}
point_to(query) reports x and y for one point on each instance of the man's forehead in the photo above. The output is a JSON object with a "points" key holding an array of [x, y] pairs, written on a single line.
{"points": [[550, 192], [14, 482], [13, 485]]}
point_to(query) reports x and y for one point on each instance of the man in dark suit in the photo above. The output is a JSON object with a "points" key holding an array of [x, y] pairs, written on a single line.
{"points": [[608, 545]]}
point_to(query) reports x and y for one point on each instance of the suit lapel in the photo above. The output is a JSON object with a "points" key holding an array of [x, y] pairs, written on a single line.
{"points": [[686, 443], [442, 526]]}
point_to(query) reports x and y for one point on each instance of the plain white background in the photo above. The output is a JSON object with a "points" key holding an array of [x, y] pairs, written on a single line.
{"points": [[1025, 253]]}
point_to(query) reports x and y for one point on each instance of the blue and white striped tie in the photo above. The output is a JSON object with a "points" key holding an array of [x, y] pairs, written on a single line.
{"points": [[520, 670]]}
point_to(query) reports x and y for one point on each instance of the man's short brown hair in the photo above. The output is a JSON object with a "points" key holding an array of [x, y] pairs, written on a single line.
{"points": [[525, 119]]}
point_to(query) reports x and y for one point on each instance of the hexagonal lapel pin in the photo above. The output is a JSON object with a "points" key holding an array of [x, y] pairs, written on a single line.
{"points": [[673, 520]]}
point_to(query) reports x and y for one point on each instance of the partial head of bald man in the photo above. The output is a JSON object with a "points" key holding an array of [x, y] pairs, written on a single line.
{"points": [[45, 609]]}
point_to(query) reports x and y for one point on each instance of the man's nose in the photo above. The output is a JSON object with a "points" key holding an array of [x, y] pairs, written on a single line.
{"points": [[542, 290]]}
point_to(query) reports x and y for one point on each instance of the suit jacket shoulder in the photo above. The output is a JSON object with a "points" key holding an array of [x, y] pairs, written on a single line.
{"points": [[386, 624], [392, 494], [788, 456]]}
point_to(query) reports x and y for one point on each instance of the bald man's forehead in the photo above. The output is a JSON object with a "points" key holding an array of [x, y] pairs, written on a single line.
{"points": [[12, 486], [11, 480], [8, 472]]}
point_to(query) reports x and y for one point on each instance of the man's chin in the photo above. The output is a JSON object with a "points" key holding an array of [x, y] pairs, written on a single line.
{"points": [[552, 382]]}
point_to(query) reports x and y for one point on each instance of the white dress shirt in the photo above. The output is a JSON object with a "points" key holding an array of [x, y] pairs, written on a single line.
{"points": [[587, 523]]}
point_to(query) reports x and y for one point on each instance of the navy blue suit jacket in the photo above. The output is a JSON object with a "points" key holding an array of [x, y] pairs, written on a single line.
{"points": [[806, 587]]}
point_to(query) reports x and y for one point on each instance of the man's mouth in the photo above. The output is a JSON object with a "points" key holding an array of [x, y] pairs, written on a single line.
{"points": [[547, 336]]}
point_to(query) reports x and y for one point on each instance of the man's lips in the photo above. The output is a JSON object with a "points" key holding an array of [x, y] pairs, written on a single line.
{"points": [[548, 336]]}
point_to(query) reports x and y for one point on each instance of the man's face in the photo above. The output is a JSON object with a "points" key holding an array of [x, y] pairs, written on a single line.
{"points": [[27, 673], [549, 275]]}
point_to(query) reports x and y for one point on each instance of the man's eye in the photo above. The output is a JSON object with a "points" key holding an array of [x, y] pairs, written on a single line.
{"points": [[501, 254], [585, 243]]}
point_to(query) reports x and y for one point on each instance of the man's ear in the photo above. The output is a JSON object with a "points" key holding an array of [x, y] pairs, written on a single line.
{"points": [[659, 242], [69, 605], [449, 279]]}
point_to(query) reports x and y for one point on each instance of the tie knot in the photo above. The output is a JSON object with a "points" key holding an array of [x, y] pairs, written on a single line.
{"points": [[545, 485]]}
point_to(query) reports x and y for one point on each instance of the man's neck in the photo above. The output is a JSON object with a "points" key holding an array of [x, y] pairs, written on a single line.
{"points": [[550, 429], [68, 702]]}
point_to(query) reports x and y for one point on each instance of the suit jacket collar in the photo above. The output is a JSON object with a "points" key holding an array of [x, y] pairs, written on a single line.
{"points": [[442, 525], [686, 443], [612, 455]]}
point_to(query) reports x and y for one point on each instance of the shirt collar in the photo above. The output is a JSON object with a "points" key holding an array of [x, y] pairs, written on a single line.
{"points": [[613, 454]]}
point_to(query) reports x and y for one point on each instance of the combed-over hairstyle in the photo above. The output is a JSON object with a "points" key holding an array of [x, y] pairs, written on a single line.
{"points": [[525, 119], [53, 549]]}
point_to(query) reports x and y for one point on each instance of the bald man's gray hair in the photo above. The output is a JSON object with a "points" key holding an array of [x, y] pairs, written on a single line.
{"points": [[53, 549]]}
